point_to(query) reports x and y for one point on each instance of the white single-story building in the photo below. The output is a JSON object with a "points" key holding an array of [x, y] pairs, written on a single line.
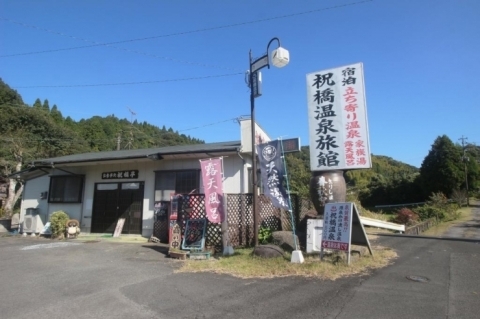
{"points": [[98, 188]]}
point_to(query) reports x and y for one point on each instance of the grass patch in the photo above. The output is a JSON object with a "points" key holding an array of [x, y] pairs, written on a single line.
{"points": [[386, 217], [244, 265], [440, 229]]}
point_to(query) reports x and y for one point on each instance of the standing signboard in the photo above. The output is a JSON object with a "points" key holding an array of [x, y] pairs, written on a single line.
{"points": [[342, 228], [337, 117], [119, 227], [173, 227]]}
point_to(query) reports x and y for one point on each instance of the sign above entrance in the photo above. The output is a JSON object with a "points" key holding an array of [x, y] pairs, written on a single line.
{"points": [[120, 174]]}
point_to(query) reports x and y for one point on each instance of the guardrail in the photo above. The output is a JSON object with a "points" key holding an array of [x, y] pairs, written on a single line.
{"points": [[382, 224], [399, 205], [420, 228]]}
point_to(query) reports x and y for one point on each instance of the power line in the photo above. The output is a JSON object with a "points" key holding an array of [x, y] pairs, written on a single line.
{"points": [[197, 127], [128, 83], [236, 119], [108, 139], [178, 33], [114, 47]]}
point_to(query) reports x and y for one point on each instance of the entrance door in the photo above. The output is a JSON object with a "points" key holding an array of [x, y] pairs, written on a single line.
{"points": [[112, 201]]}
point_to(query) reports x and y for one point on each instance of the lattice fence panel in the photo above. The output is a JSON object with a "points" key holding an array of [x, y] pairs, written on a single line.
{"points": [[306, 205], [286, 220], [269, 214], [240, 219], [160, 230], [193, 207]]}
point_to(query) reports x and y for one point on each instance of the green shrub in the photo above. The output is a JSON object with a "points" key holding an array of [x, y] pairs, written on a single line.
{"points": [[459, 197], [438, 199], [429, 211], [265, 235], [451, 212], [58, 222]]}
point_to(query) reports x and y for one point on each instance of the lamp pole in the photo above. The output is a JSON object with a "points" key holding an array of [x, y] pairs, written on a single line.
{"points": [[280, 59], [254, 158]]}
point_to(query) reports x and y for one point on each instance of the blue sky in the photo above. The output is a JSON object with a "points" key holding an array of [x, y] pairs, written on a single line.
{"points": [[421, 62]]}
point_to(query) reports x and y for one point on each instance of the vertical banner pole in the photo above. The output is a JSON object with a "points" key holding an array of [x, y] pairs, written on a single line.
{"points": [[227, 248], [289, 198], [350, 212]]}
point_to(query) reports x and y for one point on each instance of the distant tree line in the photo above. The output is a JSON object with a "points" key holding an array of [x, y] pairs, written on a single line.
{"points": [[391, 182]]}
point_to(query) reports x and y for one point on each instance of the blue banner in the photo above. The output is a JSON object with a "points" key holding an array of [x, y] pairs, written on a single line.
{"points": [[273, 173]]}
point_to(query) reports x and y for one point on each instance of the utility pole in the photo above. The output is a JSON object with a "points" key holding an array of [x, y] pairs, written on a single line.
{"points": [[130, 140], [465, 159], [119, 138]]}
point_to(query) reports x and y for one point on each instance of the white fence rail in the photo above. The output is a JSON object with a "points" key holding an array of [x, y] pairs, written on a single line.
{"points": [[382, 224]]}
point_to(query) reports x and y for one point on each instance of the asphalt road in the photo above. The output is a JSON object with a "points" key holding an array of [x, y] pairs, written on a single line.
{"points": [[42, 279], [469, 229]]}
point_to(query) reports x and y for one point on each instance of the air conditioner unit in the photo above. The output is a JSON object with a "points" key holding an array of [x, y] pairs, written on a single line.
{"points": [[32, 222]]}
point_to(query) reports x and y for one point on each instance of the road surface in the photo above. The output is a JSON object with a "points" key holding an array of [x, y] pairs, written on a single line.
{"points": [[46, 279]]}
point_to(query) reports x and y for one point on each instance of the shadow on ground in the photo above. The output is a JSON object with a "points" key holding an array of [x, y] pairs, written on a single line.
{"points": [[163, 249]]}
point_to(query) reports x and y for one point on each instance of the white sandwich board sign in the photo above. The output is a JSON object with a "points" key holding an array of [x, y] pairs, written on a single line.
{"points": [[342, 227]]}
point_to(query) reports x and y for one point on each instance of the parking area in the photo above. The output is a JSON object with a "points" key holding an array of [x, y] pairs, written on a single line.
{"points": [[43, 278]]}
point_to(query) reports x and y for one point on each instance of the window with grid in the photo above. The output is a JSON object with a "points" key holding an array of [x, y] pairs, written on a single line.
{"points": [[180, 182], [65, 189]]}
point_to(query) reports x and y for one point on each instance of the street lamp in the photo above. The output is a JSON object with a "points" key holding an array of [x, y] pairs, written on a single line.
{"points": [[280, 58]]}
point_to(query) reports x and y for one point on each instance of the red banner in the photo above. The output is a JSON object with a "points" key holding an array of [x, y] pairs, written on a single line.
{"points": [[212, 176]]}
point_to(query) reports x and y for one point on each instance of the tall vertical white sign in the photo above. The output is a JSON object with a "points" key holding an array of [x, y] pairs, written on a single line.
{"points": [[337, 118]]}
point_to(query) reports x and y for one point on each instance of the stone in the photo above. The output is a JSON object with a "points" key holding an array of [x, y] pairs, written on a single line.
{"points": [[284, 239], [268, 251], [334, 189]]}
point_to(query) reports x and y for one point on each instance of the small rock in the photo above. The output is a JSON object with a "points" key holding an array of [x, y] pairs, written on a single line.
{"points": [[284, 239]]}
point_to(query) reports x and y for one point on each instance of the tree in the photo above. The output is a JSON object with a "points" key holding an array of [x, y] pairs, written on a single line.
{"points": [[56, 114], [9, 96], [46, 106], [442, 168], [29, 133], [37, 104], [298, 170]]}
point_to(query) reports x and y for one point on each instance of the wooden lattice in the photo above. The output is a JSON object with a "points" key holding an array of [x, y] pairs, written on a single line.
{"points": [[193, 207], [160, 230], [240, 217], [269, 214]]}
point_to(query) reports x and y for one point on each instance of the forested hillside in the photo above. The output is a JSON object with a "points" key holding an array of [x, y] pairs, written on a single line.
{"points": [[40, 131], [388, 182], [385, 170]]}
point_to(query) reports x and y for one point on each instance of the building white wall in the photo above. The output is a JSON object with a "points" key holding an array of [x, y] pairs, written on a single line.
{"points": [[31, 197], [235, 181]]}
